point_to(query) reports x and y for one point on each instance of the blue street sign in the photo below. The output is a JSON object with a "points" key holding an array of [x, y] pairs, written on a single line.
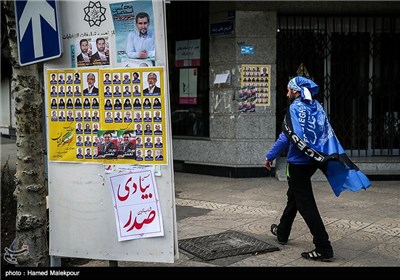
{"points": [[38, 31], [247, 50]]}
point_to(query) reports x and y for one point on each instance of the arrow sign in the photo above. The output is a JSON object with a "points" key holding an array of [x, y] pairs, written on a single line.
{"points": [[37, 31]]}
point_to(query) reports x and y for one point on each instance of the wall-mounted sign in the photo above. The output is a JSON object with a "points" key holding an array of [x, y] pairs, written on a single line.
{"points": [[246, 50], [187, 53], [221, 28]]}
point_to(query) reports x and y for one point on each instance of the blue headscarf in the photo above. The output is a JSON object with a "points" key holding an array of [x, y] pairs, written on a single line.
{"points": [[305, 86]]}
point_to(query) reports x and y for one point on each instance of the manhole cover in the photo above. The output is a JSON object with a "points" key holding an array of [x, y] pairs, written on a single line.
{"points": [[226, 244]]}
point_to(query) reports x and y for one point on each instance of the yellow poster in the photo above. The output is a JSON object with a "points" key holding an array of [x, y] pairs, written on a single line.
{"points": [[107, 115], [256, 79]]}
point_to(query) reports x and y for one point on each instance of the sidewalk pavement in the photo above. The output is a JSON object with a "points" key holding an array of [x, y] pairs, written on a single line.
{"points": [[8, 151], [364, 227]]}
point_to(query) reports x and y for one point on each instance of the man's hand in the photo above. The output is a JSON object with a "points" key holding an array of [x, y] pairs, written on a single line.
{"points": [[268, 164], [143, 54]]}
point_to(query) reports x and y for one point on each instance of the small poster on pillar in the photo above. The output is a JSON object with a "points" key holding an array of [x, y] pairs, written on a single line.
{"points": [[255, 79]]}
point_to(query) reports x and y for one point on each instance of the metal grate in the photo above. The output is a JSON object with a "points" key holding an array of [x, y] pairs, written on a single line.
{"points": [[226, 244], [355, 61]]}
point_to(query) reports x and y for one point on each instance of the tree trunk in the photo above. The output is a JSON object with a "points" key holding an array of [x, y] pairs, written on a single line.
{"points": [[30, 192]]}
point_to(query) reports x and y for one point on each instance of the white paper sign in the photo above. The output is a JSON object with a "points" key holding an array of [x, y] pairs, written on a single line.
{"points": [[136, 204], [222, 79]]}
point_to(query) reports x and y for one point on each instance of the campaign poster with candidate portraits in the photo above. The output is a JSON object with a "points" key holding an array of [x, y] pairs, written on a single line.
{"points": [[92, 51], [99, 116], [134, 33], [255, 87]]}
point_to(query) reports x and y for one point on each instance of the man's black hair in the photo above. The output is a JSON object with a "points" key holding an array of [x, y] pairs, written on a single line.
{"points": [[100, 38], [83, 40], [142, 15]]}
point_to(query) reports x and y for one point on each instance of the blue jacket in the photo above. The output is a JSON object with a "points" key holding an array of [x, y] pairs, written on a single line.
{"points": [[312, 139], [294, 155]]}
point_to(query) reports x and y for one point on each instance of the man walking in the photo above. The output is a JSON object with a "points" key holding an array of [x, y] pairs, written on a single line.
{"points": [[312, 145]]}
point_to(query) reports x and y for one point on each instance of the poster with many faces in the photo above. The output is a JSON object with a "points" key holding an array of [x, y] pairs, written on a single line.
{"points": [[106, 115], [255, 85]]}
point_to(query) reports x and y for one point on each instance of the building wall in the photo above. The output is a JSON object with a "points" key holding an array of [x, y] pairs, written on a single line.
{"points": [[240, 140], [236, 139], [7, 119]]}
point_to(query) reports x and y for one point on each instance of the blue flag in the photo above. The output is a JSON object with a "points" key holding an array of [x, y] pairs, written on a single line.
{"points": [[308, 128]]}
